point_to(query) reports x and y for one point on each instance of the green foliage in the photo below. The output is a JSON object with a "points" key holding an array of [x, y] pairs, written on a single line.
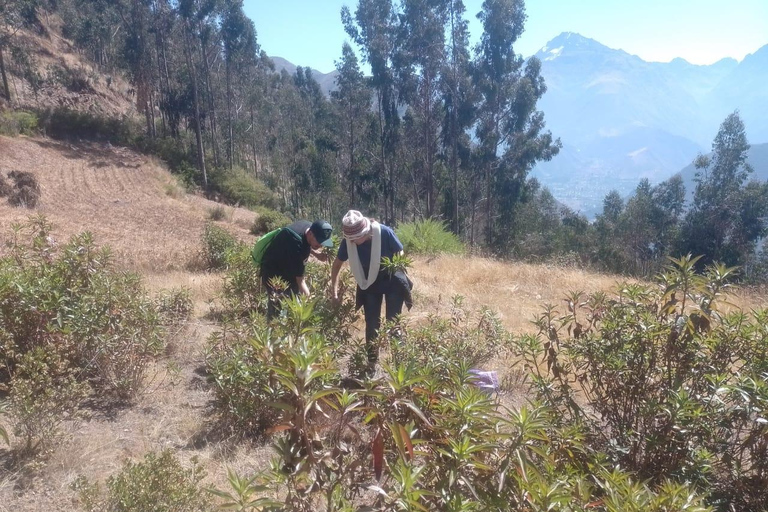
{"points": [[159, 483], [242, 495], [74, 292], [421, 437], [44, 391], [242, 188], [268, 220], [728, 215], [69, 321], [13, 123], [397, 263], [242, 293], [428, 237], [667, 384], [240, 358], [63, 123], [174, 306], [218, 245], [74, 79]]}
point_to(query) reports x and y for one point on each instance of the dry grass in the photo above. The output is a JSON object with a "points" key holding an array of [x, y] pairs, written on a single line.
{"points": [[515, 291], [118, 195]]}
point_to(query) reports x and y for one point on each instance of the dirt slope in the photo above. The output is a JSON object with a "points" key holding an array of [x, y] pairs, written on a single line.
{"points": [[128, 201]]}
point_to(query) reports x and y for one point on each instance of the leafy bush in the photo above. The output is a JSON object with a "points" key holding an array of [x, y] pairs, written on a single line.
{"points": [[3, 431], [428, 237], [667, 384], [73, 79], [69, 303], [268, 220], [63, 123], [13, 123], [241, 187], [242, 294], [174, 306], [421, 437], [44, 390], [218, 245], [159, 483]]}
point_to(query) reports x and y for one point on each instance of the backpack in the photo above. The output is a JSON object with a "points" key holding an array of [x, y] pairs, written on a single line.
{"points": [[261, 245]]}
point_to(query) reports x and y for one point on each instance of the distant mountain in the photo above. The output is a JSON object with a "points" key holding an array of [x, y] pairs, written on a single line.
{"points": [[757, 157], [327, 81], [621, 118]]}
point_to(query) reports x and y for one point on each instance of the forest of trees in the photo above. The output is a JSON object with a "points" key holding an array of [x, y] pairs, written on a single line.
{"points": [[439, 129]]}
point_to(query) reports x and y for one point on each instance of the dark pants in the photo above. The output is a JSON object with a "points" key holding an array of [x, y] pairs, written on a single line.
{"points": [[371, 301]]}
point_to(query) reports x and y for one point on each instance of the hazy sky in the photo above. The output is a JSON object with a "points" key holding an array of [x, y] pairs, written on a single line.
{"points": [[309, 32]]}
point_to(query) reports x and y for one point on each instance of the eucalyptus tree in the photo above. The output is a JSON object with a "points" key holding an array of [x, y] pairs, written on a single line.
{"points": [[374, 29], [420, 62], [509, 129], [240, 53], [189, 11], [352, 99], [11, 17], [458, 100], [728, 216]]}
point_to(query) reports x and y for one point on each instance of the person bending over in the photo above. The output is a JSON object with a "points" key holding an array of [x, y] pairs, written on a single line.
{"points": [[286, 257], [365, 243]]}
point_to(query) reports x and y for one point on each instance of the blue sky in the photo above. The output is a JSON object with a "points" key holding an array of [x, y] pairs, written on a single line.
{"points": [[309, 32]]}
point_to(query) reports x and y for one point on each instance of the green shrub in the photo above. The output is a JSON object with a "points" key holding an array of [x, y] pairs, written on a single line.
{"points": [[73, 79], [428, 437], [242, 294], [159, 483], [101, 320], [44, 390], [13, 123], [241, 187], [268, 220], [218, 244], [63, 123], [428, 237], [174, 306], [668, 385]]}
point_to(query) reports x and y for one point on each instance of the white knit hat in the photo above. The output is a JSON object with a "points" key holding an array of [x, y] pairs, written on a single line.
{"points": [[355, 226]]}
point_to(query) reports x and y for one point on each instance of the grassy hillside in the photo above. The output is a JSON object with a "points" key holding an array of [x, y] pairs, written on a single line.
{"points": [[133, 204]]}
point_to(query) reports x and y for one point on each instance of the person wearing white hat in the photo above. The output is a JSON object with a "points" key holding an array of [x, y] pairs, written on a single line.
{"points": [[365, 243]]}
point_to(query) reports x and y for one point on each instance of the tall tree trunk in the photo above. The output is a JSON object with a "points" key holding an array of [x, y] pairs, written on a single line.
{"points": [[253, 143], [428, 142], [488, 208], [198, 134], [6, 88], [231, 152], [352, 179], [211, 99], [453, 128], [454, 172]]}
